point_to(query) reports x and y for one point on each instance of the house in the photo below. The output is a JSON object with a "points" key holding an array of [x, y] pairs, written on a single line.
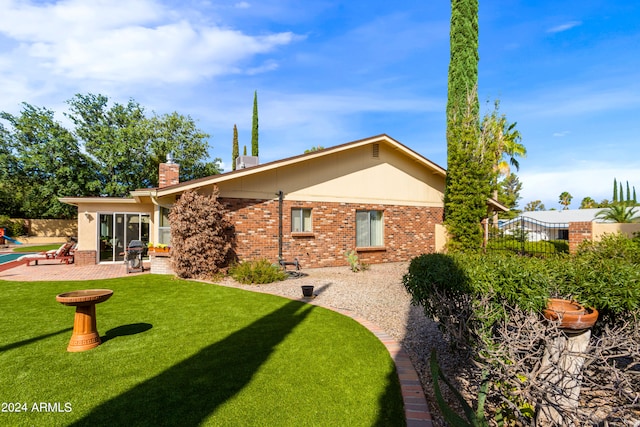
{"points": [[572, 225], [373, 195]]}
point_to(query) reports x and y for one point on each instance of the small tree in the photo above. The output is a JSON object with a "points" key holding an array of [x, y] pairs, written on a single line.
{"points": [[254, 128], [200, 235], [535, 205], [235, 150]]}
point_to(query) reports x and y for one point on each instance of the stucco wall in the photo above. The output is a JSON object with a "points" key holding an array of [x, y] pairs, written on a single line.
{"points": [[599, 229], [408, 231]]}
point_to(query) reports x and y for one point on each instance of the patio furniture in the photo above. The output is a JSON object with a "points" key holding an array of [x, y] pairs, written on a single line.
{"points": [[64, 253], [85, 334]]}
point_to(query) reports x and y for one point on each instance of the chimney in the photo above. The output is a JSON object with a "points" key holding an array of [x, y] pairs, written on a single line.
{"points": [[169, 173]]}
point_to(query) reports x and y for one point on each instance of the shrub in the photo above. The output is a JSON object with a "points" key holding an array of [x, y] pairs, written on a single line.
{"points": [[489, 305], [201, 236], [14, 227], [257, 272], [354, 261]]}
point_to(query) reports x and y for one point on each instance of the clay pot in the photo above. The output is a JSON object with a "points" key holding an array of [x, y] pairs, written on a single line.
{"points": [[572, 315]]}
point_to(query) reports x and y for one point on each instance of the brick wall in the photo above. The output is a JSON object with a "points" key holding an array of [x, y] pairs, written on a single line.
{"points": [[579, 232], [408, 231], [81, 258], [160, 264]]}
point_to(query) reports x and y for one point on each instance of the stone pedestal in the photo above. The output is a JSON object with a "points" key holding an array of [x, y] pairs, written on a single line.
{"points": [[561, 370]]}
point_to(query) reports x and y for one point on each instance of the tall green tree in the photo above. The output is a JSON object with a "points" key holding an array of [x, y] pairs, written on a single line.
{"points": [[115, 137], [235, 149], [179, 135], [254, 127], [509, 193], [48, 163], [127, 146], [468, 181]]}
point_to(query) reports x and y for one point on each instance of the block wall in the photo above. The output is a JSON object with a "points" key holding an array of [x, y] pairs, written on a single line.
{"points": [[579, 232], [408, 232]]}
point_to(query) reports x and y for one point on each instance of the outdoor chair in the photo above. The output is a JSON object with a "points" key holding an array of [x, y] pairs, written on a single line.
{"points": [[64, 254]]}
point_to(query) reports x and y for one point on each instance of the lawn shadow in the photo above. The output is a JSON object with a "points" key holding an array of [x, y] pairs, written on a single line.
{"points": [[190, 391], [120, 331], [32, 340]]}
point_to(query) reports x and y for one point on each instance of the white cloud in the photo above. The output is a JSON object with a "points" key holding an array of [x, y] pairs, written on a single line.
{"points": [[564, 27], [561, 134], [122, 41], [587, 180]]}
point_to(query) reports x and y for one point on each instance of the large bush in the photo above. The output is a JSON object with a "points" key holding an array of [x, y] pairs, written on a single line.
{"points": [[257, 272], [489, 306], [201, 236]]}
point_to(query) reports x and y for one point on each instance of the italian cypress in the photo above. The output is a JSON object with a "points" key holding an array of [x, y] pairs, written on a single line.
{"points": [[615, 191], [235, 150], [254, 129], [468, 162]]}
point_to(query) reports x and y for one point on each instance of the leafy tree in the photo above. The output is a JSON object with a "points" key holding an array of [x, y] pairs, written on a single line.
{"points": [[315, 148], [535, 205], [127, 146], [177, 134], [9, 180], [468, 160], [620, 213], [116, 139], [588, 203], [254, 127], [235, 150], [48, 164], [565, 199]]}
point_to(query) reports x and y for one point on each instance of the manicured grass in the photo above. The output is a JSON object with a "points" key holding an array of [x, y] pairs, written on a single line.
{"points": [[39, 248], [187, 353]]}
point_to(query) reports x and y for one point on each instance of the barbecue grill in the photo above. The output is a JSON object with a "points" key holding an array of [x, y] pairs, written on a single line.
{"points": [[133, 256]]}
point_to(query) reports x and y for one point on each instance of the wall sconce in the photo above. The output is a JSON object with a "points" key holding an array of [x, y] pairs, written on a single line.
{"points": [[87, 215]]}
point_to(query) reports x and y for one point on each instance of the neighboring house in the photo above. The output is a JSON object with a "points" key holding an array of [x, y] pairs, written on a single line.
{"points": [[374, 195], [572, 225], [548, 225]]}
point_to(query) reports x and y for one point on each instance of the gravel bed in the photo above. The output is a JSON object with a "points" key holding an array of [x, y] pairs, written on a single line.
{"points": [[378, 295]]}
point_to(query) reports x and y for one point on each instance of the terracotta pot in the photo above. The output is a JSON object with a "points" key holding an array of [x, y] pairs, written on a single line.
{"points": [[572, 315]]}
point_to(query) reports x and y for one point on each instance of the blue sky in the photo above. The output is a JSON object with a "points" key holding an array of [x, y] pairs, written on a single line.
{"points": [[329, 72]]}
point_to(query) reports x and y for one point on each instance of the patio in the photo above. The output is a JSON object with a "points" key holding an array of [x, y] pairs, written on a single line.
{"points": [[55, 270]]}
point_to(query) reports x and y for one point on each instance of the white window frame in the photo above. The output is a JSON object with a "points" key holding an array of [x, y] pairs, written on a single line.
{"points": [[298, 218], [369, 228]]}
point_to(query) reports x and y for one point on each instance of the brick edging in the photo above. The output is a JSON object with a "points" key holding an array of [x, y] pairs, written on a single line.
{"points": [[416, 409]]}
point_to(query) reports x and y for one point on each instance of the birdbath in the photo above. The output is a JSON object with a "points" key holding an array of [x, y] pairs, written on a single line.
{"points": [[85, 334]]}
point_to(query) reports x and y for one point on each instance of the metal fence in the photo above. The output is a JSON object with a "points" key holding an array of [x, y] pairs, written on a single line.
{"points": [[527, 236]]}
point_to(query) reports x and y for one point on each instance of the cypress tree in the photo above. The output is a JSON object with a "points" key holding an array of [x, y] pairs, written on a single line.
{"points": [[615, 191], [235, 150], [254, 129], [468, 162]]}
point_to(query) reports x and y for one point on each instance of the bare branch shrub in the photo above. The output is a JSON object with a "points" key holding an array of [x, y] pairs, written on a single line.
{"points": [[201, 237]]}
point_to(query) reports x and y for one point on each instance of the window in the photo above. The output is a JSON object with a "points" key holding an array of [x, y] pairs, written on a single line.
{"points": [[301, 220], [164, 230], [369, 228]]}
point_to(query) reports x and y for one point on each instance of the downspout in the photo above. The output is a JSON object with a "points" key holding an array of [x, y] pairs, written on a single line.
{"points": [[280, 195]]}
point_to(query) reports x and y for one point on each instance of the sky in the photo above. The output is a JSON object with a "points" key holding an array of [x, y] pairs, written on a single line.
{"points": [[329, 72]]}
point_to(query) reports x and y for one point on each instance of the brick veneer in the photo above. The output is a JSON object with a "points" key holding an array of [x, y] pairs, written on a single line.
{"points": [[408, 231], [81, 258], [579, 232]]}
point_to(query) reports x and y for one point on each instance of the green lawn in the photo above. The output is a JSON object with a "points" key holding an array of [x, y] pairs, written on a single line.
{"points": [[186, 353]]}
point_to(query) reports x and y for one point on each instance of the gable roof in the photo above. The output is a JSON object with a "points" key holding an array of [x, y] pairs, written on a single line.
{"points": [[214, 179]]}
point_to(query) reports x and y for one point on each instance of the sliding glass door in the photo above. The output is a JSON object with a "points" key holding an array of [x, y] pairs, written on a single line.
{"points": [[117, 230]]}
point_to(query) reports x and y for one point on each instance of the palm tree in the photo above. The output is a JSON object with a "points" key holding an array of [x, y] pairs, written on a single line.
{"points": [[588, 203], [620, 213], [565, 199]]}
